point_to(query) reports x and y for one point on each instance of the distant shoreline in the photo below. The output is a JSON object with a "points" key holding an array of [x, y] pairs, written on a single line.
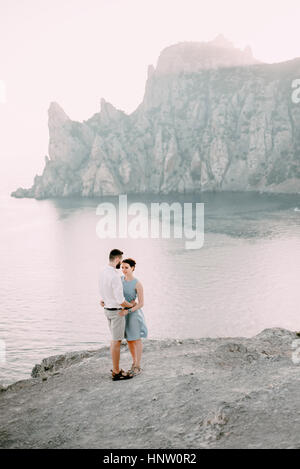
{"points": [[157, 195]]}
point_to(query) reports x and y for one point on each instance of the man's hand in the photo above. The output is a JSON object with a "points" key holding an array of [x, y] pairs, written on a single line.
{"points": [[123, 312], [102, 303]]}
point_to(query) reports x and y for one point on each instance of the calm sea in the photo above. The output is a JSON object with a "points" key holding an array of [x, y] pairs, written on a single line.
{"points": [[245, 277]]}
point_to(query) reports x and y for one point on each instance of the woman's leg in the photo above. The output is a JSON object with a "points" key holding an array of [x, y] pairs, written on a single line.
{"points": [[139, 351], [132, 349]]}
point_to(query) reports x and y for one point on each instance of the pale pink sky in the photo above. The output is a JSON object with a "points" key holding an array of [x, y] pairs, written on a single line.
{"points": [[77, 51]]}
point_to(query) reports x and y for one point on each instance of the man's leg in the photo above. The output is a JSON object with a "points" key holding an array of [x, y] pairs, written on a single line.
{"points": [[117, 327], [115, 354]]}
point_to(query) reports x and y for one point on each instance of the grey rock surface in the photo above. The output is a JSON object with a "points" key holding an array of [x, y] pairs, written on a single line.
{"points": [[204, 393], [212, 119]]}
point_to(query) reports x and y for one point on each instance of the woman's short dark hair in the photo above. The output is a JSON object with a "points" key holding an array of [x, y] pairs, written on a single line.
{"points": [[129, 261], [115, 253]]}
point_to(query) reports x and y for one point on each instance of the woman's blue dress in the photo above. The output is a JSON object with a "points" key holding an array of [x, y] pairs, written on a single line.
{"points": [[135, 325]]}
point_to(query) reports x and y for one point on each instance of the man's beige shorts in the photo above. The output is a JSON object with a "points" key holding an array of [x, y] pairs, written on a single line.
{"points": [[116, 324]]}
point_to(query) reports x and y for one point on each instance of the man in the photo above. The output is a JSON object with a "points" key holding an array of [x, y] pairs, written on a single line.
{"points": [[111, 290]]}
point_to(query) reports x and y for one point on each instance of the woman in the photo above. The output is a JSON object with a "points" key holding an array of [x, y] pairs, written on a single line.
{"points": [[135, 328]]}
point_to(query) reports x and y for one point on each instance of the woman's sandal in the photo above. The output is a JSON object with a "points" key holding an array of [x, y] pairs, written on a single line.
{"points": [[136, 370], [121, 375]]}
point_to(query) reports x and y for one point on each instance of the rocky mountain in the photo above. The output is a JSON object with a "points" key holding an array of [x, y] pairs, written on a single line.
{"points": [[212, 118]]}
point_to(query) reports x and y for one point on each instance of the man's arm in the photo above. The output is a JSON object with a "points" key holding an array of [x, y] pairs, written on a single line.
{"points": [[118, 293], [126, 305]]}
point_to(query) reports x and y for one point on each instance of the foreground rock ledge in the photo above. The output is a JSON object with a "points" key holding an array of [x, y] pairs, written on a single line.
{"points": [[204, 393]]}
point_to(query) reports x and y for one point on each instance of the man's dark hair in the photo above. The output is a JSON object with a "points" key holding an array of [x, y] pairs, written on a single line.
{"points": [[115, 253]]}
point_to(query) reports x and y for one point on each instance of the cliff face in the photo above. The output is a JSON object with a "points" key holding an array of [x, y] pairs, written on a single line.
{"points": [[212, 118]]}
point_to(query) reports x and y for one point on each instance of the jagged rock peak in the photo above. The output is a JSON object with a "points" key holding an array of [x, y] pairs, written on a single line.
{"points": [[56, 111], [196, 56], [109, 112], [221, 41]]}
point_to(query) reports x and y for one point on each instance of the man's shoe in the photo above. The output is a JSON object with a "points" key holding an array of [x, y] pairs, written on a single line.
{"points": [[121, 375]]}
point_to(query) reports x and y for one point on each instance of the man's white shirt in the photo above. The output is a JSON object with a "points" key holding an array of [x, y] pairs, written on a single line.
{"points": [[111, 288]]}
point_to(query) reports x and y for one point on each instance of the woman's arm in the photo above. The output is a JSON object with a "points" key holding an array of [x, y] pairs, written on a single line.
{"points": [[140, 295]]}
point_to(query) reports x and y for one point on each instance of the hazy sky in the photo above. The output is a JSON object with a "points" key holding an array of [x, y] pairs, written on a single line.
{"points": [[77, 51]]}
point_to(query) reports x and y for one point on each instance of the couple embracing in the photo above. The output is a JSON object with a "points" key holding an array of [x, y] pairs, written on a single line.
{"points": [[123, 312]]}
